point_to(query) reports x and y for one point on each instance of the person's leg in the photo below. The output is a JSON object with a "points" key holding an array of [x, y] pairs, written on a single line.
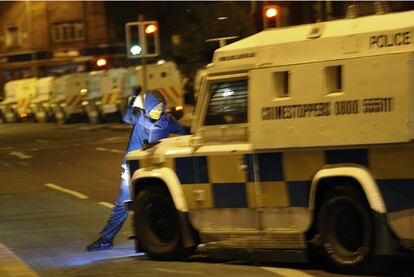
{"points": [[119, 214], [117, 218]]}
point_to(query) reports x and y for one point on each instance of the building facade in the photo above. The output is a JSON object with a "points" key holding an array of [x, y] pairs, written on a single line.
{"points": [[41, 38]]}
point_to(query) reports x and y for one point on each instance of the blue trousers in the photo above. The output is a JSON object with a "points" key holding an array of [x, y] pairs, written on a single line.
{"points": [[118, 214]]}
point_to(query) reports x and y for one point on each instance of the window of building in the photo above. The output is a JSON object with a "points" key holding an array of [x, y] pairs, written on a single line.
{"points": [[281, 83], [67, 31], [13, 37], [333, 78], [228, 102]]}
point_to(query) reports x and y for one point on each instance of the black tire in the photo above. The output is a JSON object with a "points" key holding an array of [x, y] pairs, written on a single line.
{"points": [[345, 226], [157, 225]]}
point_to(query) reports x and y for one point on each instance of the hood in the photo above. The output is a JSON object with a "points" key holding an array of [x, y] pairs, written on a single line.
{"points": [[152, 99]]}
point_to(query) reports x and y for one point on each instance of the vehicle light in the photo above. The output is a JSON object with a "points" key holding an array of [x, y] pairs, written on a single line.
{"points": [[179, 108], [23, 115], [83, 91]]}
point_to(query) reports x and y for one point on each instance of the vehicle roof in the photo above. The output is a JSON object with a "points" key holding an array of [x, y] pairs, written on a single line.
{"points": [[343, 28]]}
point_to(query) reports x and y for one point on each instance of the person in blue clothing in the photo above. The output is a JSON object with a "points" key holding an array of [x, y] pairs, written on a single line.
{"points": [[149, 126]]}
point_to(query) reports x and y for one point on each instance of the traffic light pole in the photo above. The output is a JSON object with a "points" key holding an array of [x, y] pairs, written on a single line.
{"points": [[143, 59]]}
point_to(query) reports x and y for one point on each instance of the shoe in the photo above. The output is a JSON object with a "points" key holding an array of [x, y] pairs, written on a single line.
{"points": [[99, 244]]}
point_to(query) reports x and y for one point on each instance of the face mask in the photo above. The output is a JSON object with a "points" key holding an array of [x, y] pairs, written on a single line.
{"points": [[156, 112]]}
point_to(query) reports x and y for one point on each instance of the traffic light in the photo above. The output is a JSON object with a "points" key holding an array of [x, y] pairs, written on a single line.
{"points": [[142, 39], [152, 42], [270, 16]]}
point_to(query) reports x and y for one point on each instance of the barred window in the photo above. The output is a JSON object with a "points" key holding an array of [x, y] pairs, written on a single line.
{"points": [[67, 31], [228, 102]]}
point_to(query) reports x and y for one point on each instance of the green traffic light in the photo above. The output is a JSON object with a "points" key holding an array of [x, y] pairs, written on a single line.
{"points": [[135, 50]]}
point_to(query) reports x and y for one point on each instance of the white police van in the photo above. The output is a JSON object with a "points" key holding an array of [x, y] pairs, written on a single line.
{"points": [[302, 141]]}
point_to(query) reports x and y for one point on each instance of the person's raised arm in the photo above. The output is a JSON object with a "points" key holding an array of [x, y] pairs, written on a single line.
{"points": [[135, 104]]}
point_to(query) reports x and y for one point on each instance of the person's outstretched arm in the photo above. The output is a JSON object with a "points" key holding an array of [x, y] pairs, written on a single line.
{"points": [[176, 127]]}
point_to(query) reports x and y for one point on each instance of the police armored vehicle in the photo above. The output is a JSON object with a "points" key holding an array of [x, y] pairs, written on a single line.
{"points": [[302, 139]]}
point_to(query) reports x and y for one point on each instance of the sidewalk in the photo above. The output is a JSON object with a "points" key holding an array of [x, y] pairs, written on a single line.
{"points": [[11, 265]]}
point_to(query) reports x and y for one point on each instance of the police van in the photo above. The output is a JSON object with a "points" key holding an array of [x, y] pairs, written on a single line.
{"points": [[166, 77], [302, 142], [9, 104], [68, 95], [41, 102], [97, 83], [25, 93]]}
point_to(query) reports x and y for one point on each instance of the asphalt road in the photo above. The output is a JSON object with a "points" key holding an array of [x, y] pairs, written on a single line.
{"points": [[57, 186]]}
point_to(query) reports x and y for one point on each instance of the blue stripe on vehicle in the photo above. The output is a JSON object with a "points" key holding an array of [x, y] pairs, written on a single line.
{"points": [[398, 194], [358, 156], [230, 195], [250, 168], [299, 193], [201, 169], [270, 166], [192, 170]]}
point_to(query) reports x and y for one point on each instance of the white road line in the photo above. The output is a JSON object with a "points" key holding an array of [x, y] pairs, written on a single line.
{"points": [[5, 164], [7, 148], [108, 150], [72, 192], [87, 128], [20, 155], [178, 271], [42, 141], [106, 204], [115, 138], [288, 272]]}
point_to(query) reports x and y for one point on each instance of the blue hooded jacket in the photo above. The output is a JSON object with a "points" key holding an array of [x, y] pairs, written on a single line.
{"points": [[145, 128]]}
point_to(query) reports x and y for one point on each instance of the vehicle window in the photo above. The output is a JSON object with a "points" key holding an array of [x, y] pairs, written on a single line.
{"points": [[228, 103], [334, 77]]}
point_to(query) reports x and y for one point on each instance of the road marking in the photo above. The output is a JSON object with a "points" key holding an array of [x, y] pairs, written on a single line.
{"points": [[87, 128], [106, 204], [115, 138], [288, 272], [5, 164], [108, 150], [7, 148], [72, 192], [42, 141], [178, 271], [20, 155]]}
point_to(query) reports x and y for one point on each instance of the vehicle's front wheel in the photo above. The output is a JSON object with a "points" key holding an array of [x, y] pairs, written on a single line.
{"points": [[346, 231], [157, 225]]}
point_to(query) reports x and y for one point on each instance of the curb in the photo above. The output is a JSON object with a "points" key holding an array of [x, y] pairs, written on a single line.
{"points": [[11, 265]]}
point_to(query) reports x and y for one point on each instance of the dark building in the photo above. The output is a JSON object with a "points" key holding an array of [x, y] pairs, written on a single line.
{"points": [[39, 38]]}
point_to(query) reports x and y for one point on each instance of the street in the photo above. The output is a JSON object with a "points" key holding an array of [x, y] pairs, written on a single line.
{"points": [[58, 183]]}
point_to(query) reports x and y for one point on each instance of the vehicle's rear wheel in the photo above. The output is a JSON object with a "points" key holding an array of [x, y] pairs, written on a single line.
{"points": [[157, 225], [346, 230]]}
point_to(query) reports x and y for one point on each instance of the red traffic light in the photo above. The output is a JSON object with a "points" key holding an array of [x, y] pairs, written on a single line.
{"points": [[151, 29]]}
